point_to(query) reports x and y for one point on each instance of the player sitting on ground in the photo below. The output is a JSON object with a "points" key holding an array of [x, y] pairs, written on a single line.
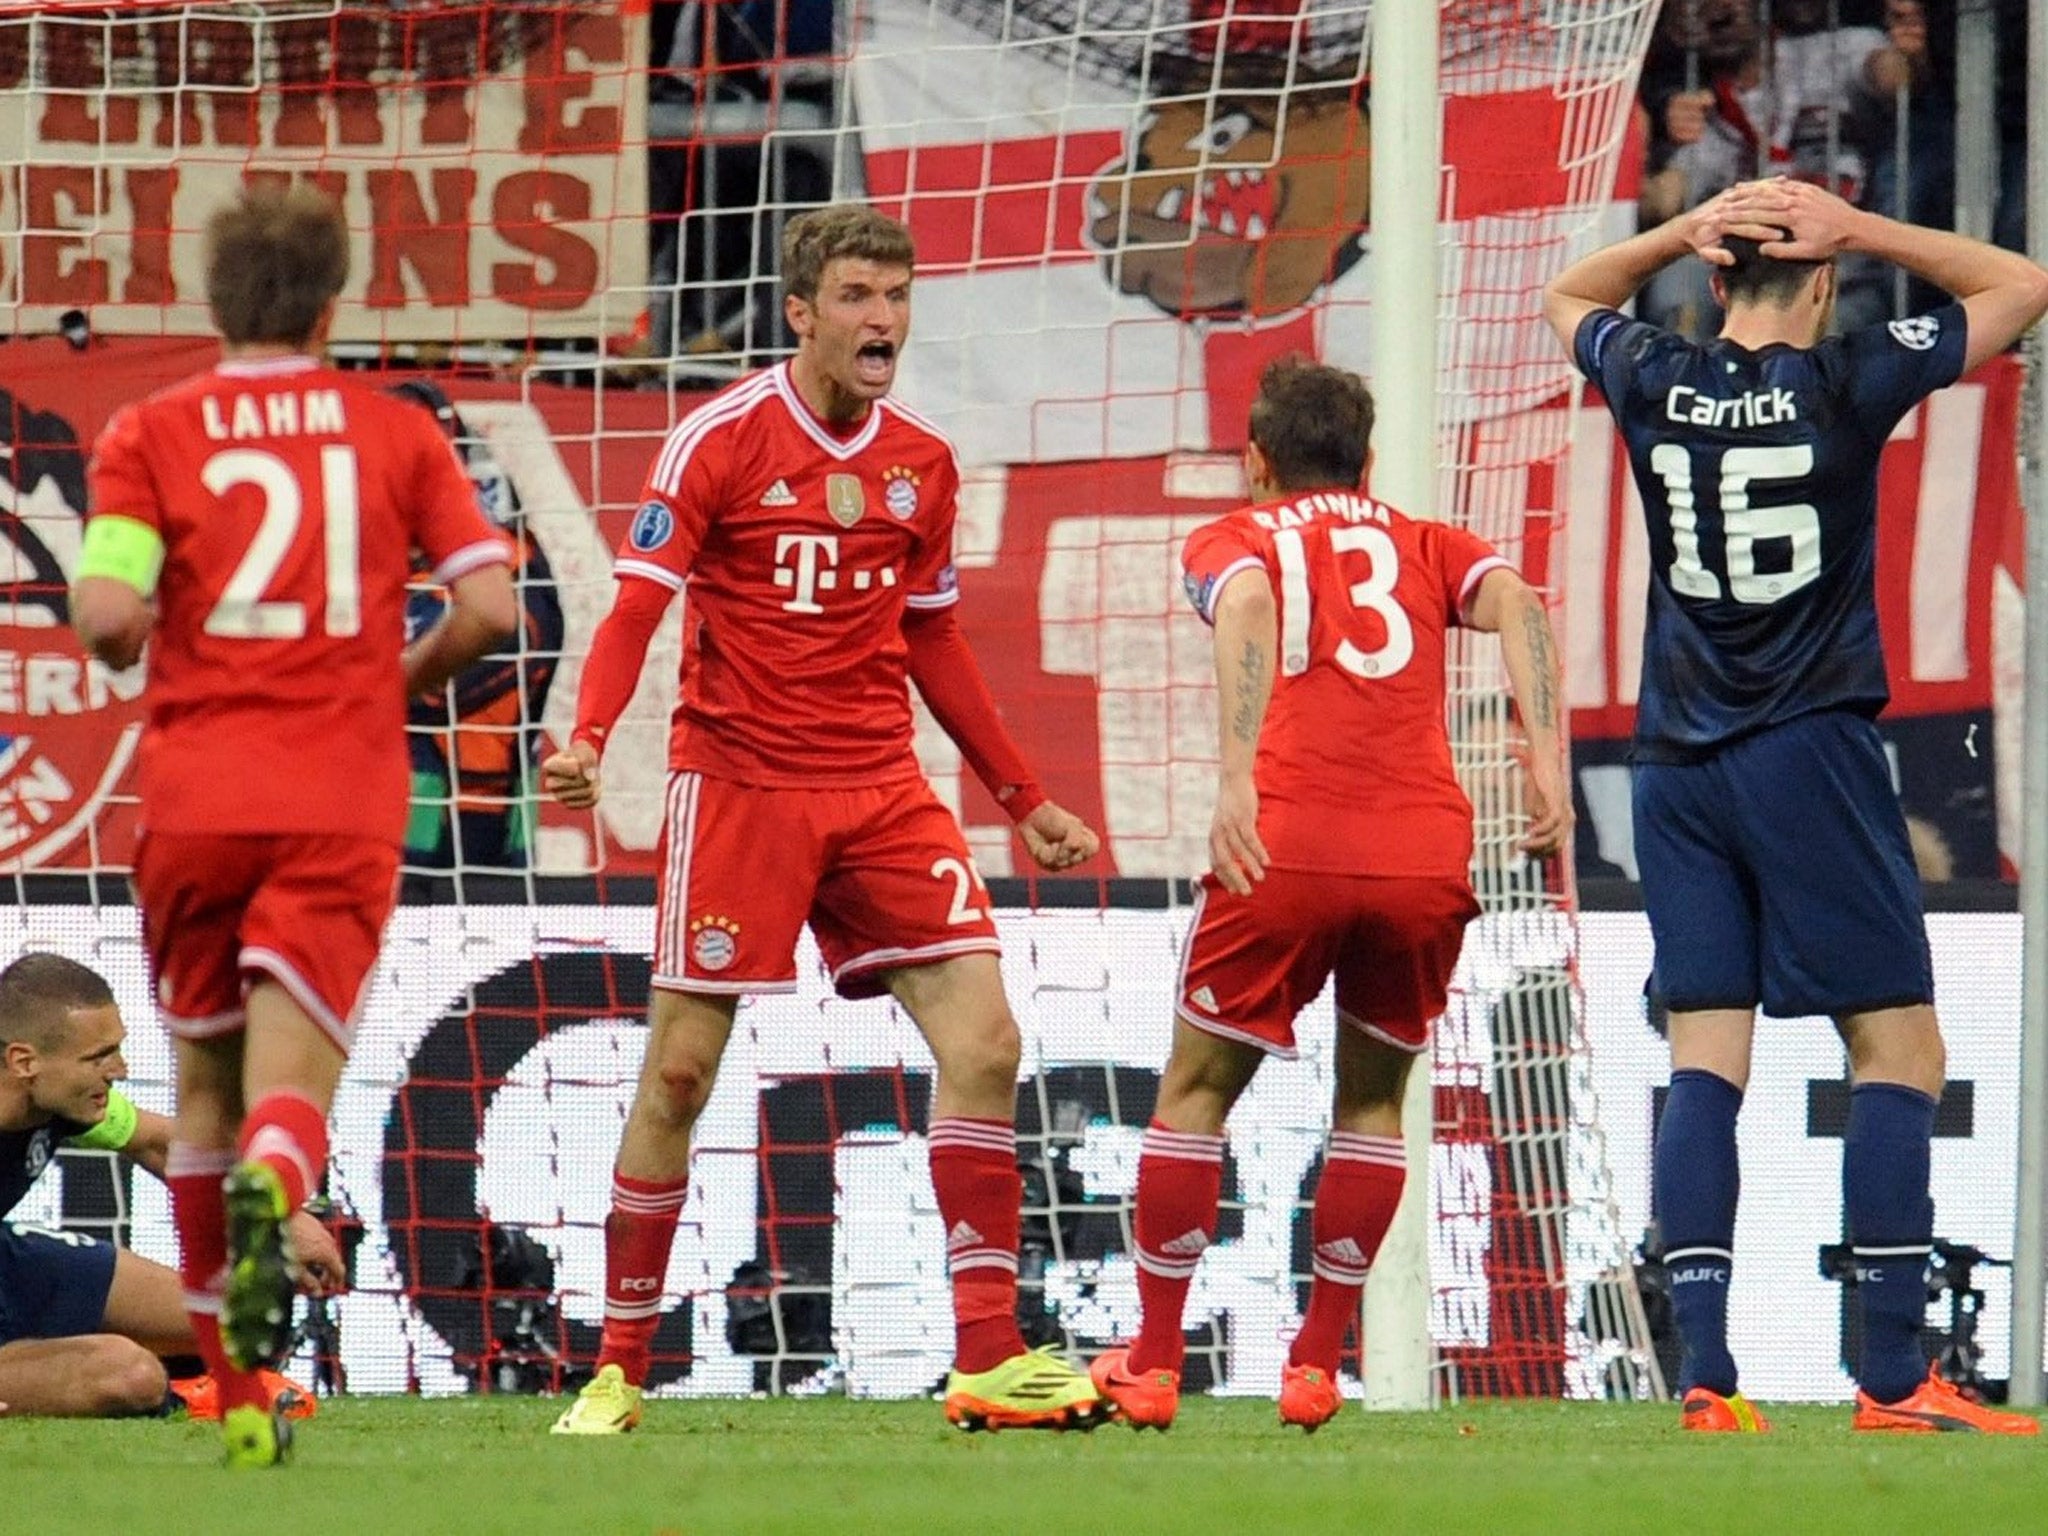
{"points": [[1341, 844], [1775, 861], [85, 1327], [811, 516], [256, 525]]}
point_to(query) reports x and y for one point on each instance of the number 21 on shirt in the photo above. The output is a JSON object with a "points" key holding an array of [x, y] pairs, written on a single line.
{"points": [[1375, 594], [242, 612]]}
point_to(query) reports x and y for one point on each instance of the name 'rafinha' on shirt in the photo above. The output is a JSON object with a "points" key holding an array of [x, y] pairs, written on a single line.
{"points": [[1304, 510]]}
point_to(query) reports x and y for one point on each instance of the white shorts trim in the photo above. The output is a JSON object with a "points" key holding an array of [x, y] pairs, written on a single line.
{"points": [[679, 825], [1405, 1046], [922, 954], [718, 988], [286, 975], [1242, 1037], [211, 1027]]}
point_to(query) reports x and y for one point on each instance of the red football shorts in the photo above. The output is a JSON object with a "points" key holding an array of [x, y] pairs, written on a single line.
{"points": [[881, 873], [1253, 962], [305, 911]]}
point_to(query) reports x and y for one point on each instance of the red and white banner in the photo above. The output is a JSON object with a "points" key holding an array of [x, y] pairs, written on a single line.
{"points": [[1122, 216], [490, 162], [1070, 593]]}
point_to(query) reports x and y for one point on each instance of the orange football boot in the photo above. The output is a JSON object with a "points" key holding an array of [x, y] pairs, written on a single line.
{"points": [[1938, 1407], [1144, 1399], [201, 1396], [1308, 1396], [1708, 1412]]}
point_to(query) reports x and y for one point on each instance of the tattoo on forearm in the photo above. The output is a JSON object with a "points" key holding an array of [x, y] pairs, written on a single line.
{"points": [[1543, 687], [1254, 678]]}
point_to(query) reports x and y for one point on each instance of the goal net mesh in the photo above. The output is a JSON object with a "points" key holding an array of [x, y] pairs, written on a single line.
{"points": [[564, 219]]}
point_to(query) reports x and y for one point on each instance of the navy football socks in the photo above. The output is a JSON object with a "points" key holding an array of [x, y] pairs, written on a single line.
{"points": [[1886, 1157], [1697, 1177]]}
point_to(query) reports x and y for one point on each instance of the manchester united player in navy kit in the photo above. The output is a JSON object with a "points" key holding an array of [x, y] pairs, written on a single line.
{"points": [[1775, 865], [85, 1326]]}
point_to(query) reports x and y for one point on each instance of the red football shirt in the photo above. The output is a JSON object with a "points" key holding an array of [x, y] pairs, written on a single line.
{"points": [[797, 550], [1354, 761], [289, 498]]}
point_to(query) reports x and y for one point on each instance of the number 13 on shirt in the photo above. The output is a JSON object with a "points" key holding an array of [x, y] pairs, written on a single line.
{"points": [[1375, 594]]}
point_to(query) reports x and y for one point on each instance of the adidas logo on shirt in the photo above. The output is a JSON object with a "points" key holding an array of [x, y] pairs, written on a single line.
{"points": [[778, 495], [1203, 999]]}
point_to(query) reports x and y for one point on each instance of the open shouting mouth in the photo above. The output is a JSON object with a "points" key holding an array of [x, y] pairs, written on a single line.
{"points": [[875, 363]]}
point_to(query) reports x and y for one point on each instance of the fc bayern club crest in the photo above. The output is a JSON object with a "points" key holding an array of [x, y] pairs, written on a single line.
{"points": [[899, 492], [714, 943]]}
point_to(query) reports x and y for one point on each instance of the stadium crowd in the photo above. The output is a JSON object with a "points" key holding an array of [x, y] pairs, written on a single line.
{"points": [[1860, 96]]}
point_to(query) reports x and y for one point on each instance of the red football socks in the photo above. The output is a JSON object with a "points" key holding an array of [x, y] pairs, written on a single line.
{"points": [[638, 1235], [199, 1212], [1355, 1200], [974, 1174], [288, 1131], [1180, 1179]]}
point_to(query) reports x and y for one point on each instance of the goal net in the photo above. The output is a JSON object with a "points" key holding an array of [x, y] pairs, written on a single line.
{"points": [[565, 220]]}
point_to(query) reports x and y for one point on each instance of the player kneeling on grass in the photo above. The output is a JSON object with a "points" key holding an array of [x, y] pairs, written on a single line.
{"points": [[1341, 844], [812, 517], [85, 1327]]}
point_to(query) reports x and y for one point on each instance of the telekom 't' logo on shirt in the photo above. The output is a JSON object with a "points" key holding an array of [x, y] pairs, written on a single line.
{"points": [[807, 564]]}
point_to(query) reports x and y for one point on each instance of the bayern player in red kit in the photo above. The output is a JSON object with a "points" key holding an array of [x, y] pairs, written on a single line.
{"points": [[1341, 844], [807, 518], [255, 525]]}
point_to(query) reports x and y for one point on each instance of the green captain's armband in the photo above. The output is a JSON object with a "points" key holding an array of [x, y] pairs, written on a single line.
{"points": [[116, 1128], [124, 549]]}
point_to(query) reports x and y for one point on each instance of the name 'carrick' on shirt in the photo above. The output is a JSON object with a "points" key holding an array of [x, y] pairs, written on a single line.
{"points": [[1354, 761], [1758, 474], [797, 551]]}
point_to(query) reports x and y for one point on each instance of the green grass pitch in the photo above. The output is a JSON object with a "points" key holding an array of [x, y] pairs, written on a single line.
{"points": [[452, 1467]]}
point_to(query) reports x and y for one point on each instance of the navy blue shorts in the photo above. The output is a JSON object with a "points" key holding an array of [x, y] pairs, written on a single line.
{"points": [[1777, 873], [53, 1285]]}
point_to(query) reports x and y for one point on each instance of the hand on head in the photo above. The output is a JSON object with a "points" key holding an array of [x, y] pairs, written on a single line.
{"points": [[1790, 220], [1749, 210]]}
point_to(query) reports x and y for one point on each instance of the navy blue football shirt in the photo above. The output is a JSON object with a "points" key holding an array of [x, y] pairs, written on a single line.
{"points": [[25, 1154], [1758, 474]]}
